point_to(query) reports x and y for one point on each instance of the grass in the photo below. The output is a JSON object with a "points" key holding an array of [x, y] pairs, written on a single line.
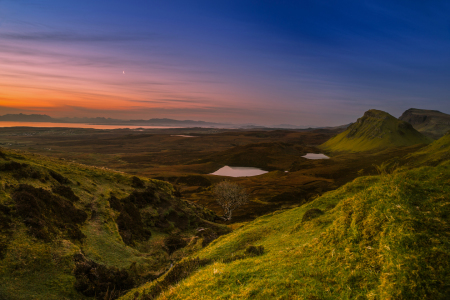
{"points": [[376, 130], [380, 237], [32, 267], [38, 270], [178, 161], [433, 154]]}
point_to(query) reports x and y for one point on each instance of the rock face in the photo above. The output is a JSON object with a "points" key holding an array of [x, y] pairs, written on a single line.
{"points": [[376, 130], [431, 123]]}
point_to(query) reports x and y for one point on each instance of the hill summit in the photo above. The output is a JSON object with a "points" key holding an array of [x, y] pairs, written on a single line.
{"points": [[432, 123], [376, 130]]}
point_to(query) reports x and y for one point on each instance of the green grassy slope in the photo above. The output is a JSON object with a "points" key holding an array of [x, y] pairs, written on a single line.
{"points": [[432, 123], [69, 231], [374, 131], [433, 154], [379, 237]]}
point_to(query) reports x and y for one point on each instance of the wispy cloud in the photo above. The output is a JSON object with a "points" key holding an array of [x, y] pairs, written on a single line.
{"points": [[205, 113], [75, 37]]}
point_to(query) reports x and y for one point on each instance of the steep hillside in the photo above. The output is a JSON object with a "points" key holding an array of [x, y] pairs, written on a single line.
{"points": [[431, 123], [378, 237], [69, 231], [433, 154], [376, 130]]}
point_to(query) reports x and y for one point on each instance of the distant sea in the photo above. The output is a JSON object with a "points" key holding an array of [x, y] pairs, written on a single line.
{"points": [[76, 125]]}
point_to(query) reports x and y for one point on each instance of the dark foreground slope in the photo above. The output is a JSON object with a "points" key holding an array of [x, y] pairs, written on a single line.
{"points": [[376, 130], [378, 237], [431, 123], [69, 231]]}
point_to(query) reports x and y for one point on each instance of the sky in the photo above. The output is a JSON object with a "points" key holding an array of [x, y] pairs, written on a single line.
{"points": [[306, 63]]}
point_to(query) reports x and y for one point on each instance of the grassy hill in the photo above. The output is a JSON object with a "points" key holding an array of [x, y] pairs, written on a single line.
{"points": [[378, 237], [376, 130], [431, 123], [69, 231], [433, 154]]}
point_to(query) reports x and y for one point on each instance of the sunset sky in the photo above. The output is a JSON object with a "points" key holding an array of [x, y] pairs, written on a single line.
{"points": [[309, 63]]}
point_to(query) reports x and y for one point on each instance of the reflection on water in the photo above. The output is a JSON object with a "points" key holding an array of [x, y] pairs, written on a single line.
{"points": [[75, 125], [182, 135], [238, 171], [315, 156]]}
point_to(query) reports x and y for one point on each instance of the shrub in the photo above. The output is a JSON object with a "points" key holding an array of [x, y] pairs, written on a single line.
{"points": [[129, 221], [66, 192], [136, 182], [207, 234], [255, 250], [5, 229], [44, 213], [311, 214], [99, 281], [58, 177], [173, 243], [178, 272], [12, 166]]}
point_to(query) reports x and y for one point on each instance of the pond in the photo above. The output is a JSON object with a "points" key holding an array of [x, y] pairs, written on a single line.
{"points": [[315, 156], [239, 171], [183, 135]]}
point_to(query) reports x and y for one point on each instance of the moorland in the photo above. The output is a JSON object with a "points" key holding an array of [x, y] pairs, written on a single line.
{"points": [[370, 222], [186, 162]]}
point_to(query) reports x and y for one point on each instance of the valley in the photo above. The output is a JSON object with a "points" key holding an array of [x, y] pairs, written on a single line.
{"points": [[126, 214], [187, 163]]}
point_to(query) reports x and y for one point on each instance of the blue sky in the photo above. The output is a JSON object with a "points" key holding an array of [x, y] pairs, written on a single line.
{"points": [[267, 62]]}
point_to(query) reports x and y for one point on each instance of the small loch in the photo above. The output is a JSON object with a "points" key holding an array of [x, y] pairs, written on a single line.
{"points": [[315, 156], [239, 171]]}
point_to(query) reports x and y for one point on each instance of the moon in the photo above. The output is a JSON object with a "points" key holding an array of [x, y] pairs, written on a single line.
{"points": [[123, 72]]}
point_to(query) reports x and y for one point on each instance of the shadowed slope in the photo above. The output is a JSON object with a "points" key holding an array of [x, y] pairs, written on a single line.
{"points": [[431, 123], [376, 130], [70, 231]]}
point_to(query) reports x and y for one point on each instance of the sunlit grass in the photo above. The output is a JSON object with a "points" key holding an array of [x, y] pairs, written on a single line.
{"points": [[380, 237], [376, 130]]}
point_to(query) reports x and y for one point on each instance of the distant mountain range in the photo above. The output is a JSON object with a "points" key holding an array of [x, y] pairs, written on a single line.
{"points": [[431, 123], [150, 122], [27, 118], [109, 121]]}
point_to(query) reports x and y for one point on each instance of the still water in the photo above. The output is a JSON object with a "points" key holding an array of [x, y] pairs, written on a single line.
{"points": [[183, 135], [315, 156], [74, 125], [238, 171]]}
